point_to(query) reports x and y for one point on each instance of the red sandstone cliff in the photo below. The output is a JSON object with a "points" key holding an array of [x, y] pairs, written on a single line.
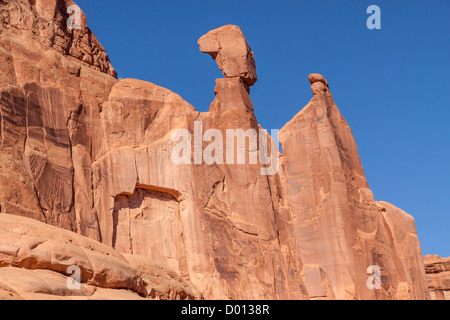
{"points": [[438, 275], [85, 152]]}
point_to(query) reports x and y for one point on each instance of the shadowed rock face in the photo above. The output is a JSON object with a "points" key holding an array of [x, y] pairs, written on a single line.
{"points": [[84, 152]]}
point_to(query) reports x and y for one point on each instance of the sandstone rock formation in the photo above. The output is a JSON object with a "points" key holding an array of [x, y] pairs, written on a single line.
{"points": [[84, 152], [228, 46], [52, 83], [35, 260], [339, 227], [438, 275], [44, 21]]}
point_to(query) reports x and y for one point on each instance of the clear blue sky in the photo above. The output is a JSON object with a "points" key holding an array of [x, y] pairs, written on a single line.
{"points": [[392, 85]]}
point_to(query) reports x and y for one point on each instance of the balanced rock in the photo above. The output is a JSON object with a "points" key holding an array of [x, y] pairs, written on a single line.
{"points": [[91, 158], [227, 45]]}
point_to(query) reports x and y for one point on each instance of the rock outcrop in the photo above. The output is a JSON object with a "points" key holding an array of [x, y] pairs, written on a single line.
{"points": [[214, 223], [36, 261], [341, 231], [84, 152], [52, 82], [229, 48], [438, 275], [45, 22]]}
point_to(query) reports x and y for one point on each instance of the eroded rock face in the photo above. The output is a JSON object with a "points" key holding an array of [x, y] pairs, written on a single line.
{"points": [[52, 81], [45, 21], [87, 153], [35, 260], [403, 234], [340, 231], [219, 231], [438, 275], [228, 47]]}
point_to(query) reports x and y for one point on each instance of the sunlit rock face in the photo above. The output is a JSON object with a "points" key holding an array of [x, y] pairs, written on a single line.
{"points": [[438, 276], [341, 230], [87, 153]]}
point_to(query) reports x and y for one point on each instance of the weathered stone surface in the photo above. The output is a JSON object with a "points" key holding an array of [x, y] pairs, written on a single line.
{"points": [[403, 234], [84, 152], [35, 257], [227, 45], [219, 231], [25, 284], [438, 276], [52, 82], [318, 83], [44, 21], [242, 222], [163, 283]]}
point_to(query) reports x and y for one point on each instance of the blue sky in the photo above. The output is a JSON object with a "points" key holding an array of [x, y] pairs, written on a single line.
{"points": [[391, 85]]}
